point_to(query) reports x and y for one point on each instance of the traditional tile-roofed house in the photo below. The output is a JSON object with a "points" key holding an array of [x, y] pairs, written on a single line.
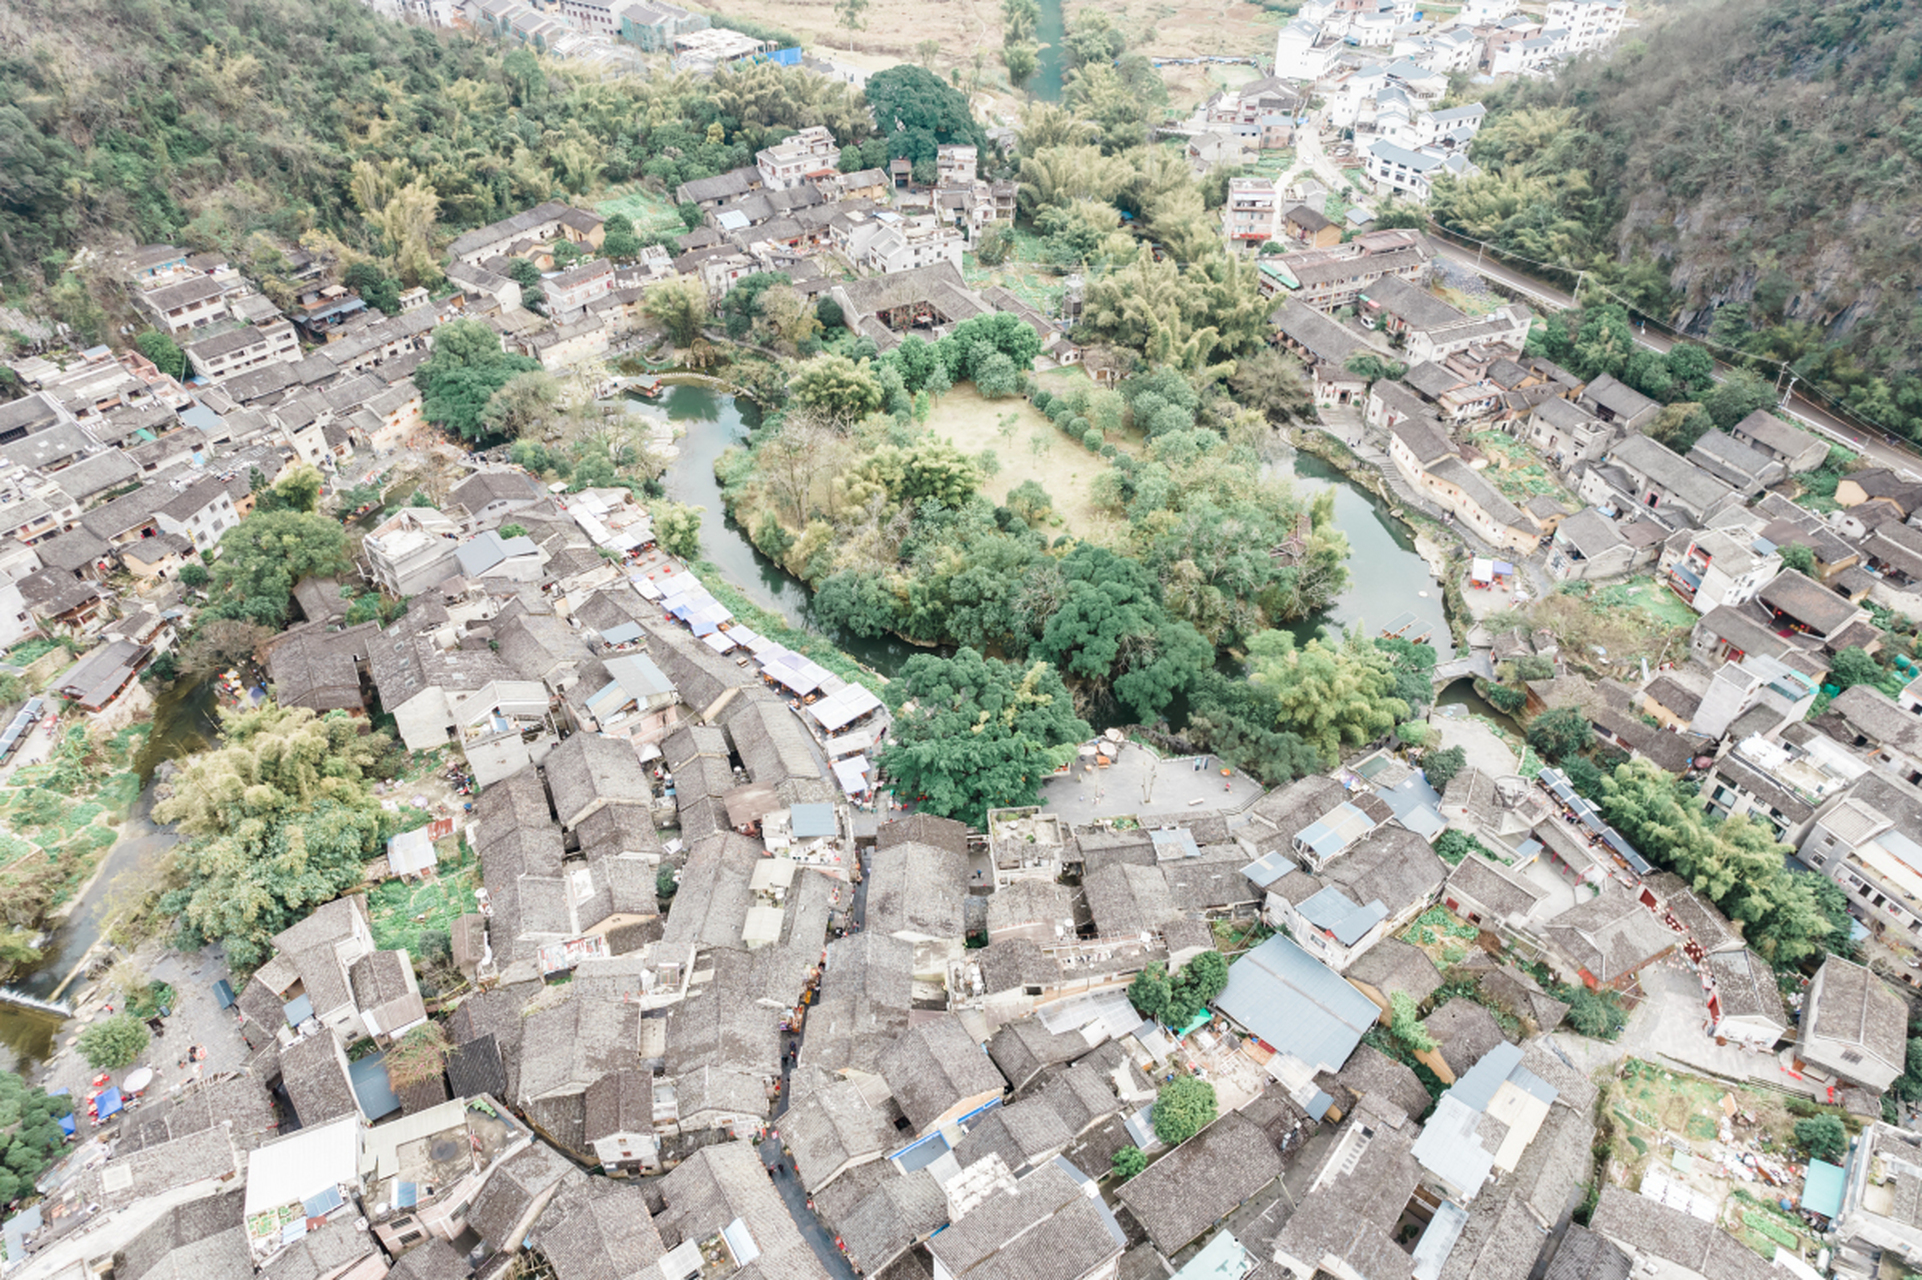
{"points": [[596, 1229], [203, 1239], [314, 1071], [1746, 1004], [1463, 1032], [618, 1121], [1648, 1229], [915, 892], [588, 772], [865, 997], [1201, 1181], [938, 1073], [573, 1042], [515, 1194], [1794, 448], [831, 1127], [1853, 1026], [726, 1187], [1346, 1222], [891, 1219], [1606, 940], [1045, 1225], [1023, 1135], [1392, 965], [1372, 1079]]}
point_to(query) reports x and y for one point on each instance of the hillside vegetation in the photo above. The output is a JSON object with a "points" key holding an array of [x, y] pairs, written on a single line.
{"points": [[205, 121], [1747, 170]]}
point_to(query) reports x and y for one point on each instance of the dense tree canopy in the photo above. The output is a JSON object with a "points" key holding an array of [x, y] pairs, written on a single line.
{"points": [[29, 1133], [1736, 863], [264, 556], [460, 377], [278, 820], [917, 112], [973, 733]]}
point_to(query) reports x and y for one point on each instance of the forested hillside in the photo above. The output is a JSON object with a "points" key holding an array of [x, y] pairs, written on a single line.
{"points": [[1748, 169], [206, 120]]}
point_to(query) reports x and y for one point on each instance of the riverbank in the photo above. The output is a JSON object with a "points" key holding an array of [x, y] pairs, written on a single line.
{"points": [[1443, 551]]}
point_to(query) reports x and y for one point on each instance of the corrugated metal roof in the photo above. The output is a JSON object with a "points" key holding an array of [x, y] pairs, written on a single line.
{"points": [[1297, 1004], [1335, 911]]}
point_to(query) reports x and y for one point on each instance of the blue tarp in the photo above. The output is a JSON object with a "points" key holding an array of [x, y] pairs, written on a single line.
{"points": [[1822, 1188], [371, 1088], [108, 1103]]}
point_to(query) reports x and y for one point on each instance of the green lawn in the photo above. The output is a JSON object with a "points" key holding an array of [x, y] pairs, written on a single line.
{"points": [[402, 911], [648, 212], [1026, 275]]}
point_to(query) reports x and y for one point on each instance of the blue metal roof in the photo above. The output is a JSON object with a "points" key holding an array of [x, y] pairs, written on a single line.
{"points": [[1297, 1004], [1268, 868], [812, 821], [1477, 1085], [1822, 1188], [371, 1088], [622, 632], [1336, 912]]}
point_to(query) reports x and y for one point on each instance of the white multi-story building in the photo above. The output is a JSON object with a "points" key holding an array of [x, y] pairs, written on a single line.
{"points": [[1590, 23], [1303, 51], [1252, 215], [1410, 175], [798, 158]]}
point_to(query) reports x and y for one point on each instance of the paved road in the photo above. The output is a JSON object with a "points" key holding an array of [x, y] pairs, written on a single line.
{"points": [[1309, 154], [1797, 406], [819, 1238]]}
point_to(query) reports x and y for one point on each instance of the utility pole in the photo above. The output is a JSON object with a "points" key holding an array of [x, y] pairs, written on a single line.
{"points": [[1791, 391]]}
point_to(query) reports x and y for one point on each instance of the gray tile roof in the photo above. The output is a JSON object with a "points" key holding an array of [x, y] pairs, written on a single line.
{"points": [[721, 1183], [598, 1229], [1650, 1227], [1584, 1255], [433, 1260], [1022, 1048], [513, 1194], [1201, 1181], [1853, 1007], [1043, 1229], [622, 1101], [917, 889], [1464, 1032], [315, 1074], [829, 1126], [1021, 1133], [1394, 965], [201, 1240], [892, 1218], [729, 1021], [935, 1066], [574, 1042], [588, 770]]}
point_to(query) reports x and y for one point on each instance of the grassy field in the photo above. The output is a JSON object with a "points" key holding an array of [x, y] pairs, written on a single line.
{"points": [[1024, 274], [1518, 471], [648, 212], [402, 911], [1065, 469]]}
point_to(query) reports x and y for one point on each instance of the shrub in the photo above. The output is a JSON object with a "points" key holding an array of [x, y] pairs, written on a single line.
{"points": [[1093, 439], [115, 1042], [1442, 766], [1043, 398], [1823, 1137], [1128, 1162], [1595, 1016], [1184, 1107]]}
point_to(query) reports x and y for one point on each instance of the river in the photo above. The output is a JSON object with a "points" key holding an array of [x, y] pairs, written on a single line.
{"points": [[714, 422], [1386, 576], [183, 723], [1046, 82]]}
